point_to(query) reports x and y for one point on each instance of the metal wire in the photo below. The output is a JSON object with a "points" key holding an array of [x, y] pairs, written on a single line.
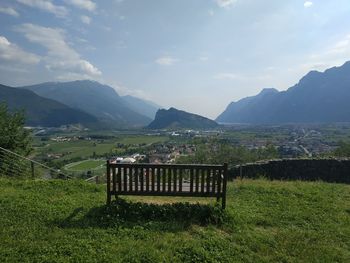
{"points": [[15, 165]]}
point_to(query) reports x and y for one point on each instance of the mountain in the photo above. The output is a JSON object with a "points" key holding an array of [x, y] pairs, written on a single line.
{"points": [[40, 111], [144, 107], [97, 99], [319, 97], [174, 118]]}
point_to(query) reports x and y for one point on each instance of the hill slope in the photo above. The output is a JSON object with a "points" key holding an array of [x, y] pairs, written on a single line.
{"points": [[41, 111], [265, 221], [318, 97], [94, 98], [174, 118], [141, 106]]}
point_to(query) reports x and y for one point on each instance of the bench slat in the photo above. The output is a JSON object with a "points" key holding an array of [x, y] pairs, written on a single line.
{"points": [[169, 178], [197, 180], [147, 179], [202, 180], [114, 179], [208, 180], [191, 179]]}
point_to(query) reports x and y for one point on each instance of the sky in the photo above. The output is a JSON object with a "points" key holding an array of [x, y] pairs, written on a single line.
{"points": [[194, 55]]}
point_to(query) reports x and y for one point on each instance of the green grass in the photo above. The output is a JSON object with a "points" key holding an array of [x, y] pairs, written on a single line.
{"points": [[84, 165], [66, 221], [82, 149], [86, 149], [140, 139]]}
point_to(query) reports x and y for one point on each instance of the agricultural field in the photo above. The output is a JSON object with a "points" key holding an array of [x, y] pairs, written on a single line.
{"points": [[265, 221], [142, 139], [85, 165], [84, 149]]}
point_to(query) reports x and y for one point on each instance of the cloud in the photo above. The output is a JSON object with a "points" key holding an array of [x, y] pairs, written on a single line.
{"points": [[9, 11], [225, 3], [13, 53], [166, 61], [60, 57], [338, 50], [85, 20], [308, 4], [333, 55], [46, 5], [203, 58], [82, 4], [225, 75]]}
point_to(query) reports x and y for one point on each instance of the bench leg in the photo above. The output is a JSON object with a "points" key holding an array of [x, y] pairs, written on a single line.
{"points": [[109, 198], [223, 204]]}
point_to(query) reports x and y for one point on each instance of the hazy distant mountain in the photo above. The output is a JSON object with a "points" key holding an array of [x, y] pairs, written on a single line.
{"points": [[174, 118], [144, 107], [102, 101], [317, 98], [41, 111]]}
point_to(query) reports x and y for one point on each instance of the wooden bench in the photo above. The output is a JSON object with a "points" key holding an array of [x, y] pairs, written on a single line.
{"points": [[167, 180]]}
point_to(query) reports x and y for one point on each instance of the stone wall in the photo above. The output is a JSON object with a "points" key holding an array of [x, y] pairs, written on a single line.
{"points": [[328, 170]]}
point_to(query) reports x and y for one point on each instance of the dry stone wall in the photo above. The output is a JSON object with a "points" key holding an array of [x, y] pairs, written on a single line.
{"points": [[328, 170]]}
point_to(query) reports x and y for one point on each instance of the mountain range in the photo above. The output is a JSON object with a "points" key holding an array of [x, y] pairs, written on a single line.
{"points": [[319, 97], [144, 107], [86, 102], [99, 100], [40, 111], [174, 118]]}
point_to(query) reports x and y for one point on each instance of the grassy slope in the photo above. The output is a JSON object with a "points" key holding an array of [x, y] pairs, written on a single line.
{"points": [[57, 221]]}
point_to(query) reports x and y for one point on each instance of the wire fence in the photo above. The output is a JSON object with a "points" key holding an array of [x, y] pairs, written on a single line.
{"points": [[18, 166]]}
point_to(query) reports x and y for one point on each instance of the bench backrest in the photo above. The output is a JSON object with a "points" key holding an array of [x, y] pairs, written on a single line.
{"points": [[166, 180]]}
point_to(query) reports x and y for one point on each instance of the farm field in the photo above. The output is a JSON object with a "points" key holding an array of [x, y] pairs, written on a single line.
{"points": [[265, 221], [85, 165], [88, 148]]}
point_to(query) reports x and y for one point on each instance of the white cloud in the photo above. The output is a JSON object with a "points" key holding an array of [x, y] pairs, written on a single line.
{"points": [[225, 3], [60, 57], [340, 50], [333, 55], [46, 5], [225, 75], [85, 20], [13, 53], [211, 12], [308, 4], [82, 4], [203, 58], [166, 61], [9, 11]]}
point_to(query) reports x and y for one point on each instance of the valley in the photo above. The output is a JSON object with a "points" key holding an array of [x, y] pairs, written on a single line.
{"points": [[82, 153]]}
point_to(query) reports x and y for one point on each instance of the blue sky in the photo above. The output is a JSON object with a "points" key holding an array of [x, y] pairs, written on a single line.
{"points": [[195, 55]]}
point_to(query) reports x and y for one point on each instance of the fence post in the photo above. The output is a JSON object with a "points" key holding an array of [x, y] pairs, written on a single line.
{"points": [[224, 185], [108, 176], [32, 169]]}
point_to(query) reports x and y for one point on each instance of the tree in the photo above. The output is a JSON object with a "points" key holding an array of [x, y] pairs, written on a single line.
{"points": [[219, 152], [343, 150], [13, 135]]}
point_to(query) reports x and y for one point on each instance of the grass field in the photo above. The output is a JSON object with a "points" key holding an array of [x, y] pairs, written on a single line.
{"points": [[85, 165], [66, 221], [86, 149], [139, 139]]}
